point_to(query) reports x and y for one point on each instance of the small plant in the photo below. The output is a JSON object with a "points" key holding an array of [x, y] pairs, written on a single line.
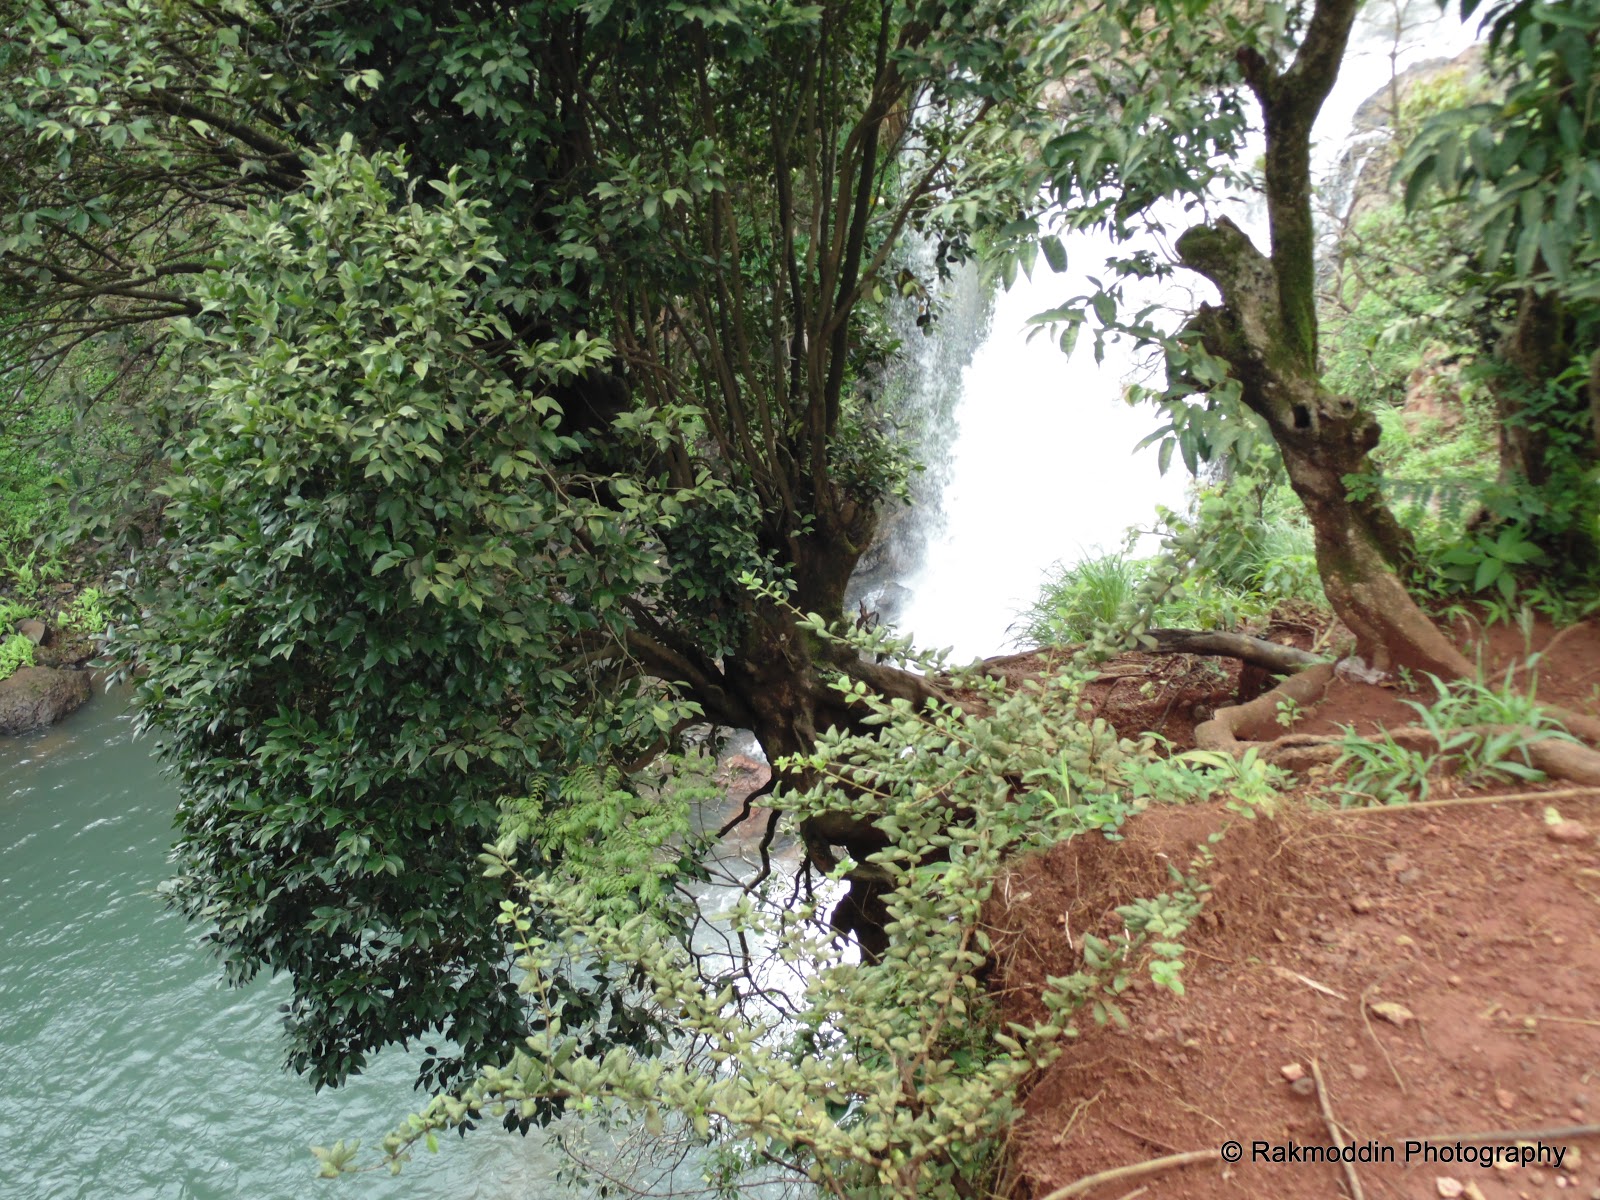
{"points": [[1199, 775], [1289, 711], [16, 652], [87, 614], [11, 612], [1486, 732], [1382, 771], [1096, 591], [26, 564]]}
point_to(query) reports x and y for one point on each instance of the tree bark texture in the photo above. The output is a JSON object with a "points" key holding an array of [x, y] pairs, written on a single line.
{"points": [[1266, 331]]}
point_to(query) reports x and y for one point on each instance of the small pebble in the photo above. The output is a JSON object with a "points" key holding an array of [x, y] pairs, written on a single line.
{"points": [[1505, 1099], [1362, 904], [1447, 1187], [1357, 1071], [1568, 831]]}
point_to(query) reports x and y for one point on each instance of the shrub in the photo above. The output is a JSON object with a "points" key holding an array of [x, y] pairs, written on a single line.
{"points": [[892, 1080], [16, 652]]}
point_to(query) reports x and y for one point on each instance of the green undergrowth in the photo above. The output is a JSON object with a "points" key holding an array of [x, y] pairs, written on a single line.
{"points": [[16, 652], [896, 1079], [1244, 550], [1478, 733]]}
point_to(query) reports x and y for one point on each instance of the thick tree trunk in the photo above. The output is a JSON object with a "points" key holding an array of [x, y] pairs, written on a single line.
{"points": [[1361, 552], [1536, 347], [784, 677], [1266, 330], [1325, 440]]}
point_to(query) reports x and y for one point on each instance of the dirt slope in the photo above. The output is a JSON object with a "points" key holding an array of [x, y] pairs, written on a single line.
{"points": [[1477, 922]]}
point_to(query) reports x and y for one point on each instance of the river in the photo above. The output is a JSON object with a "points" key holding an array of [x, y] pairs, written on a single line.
{"points": [[130, 1071]]}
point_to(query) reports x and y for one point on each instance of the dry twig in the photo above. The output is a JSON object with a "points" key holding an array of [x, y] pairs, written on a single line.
{"points": [[1133, 1171], [1356, 1193]]}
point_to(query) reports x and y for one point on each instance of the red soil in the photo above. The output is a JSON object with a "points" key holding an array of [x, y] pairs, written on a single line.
{"points": [[1473, 918]]}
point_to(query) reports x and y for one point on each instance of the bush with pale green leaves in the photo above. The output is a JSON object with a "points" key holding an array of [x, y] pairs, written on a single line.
{"points": [[16, 652], [895, 1080]]}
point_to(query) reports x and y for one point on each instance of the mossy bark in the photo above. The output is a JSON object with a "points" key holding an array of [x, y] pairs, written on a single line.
{"points": [[1266, 330]]}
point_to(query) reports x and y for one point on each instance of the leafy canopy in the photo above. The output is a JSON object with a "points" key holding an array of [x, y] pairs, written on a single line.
{"points": [[382, 557]]}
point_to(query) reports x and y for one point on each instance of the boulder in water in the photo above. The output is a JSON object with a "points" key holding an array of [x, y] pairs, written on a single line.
{"points": [[35, 697]]}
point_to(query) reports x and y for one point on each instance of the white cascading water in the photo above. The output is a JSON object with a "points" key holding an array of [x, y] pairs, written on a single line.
{"points": [[1042, 469]]}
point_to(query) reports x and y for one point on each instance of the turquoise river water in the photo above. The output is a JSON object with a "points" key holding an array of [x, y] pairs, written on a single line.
{"points": [[128, 1071]]}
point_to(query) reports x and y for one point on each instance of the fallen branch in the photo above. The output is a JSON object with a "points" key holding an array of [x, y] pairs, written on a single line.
{"points": [[1356, 1193], [1270, 656], [1578, 793], [1550, 1133], [1361, 1007], [1089, 1182]]}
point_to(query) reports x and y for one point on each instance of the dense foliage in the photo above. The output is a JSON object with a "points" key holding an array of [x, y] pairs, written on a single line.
{"points": [[381, 557], [886, 1080], [515, 372]]}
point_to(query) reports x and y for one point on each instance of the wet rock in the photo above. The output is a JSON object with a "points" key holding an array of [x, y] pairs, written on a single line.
{"points": [[65, 652], [35, 630], [39, 696]]}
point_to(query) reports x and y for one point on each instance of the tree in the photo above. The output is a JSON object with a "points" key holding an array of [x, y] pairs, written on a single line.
{"points": [[1521, 167], [463, 491], [1172, 82]]}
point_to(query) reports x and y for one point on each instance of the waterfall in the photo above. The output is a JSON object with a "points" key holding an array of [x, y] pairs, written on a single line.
{"points": [[1042, 470], [938, 336]]}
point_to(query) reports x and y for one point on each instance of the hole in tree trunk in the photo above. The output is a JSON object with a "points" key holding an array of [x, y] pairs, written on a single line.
{"points": [[1302, 417]]}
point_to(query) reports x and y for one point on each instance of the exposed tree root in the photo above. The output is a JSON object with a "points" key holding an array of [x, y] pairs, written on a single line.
{"points": [[1270, 656], [1234, 729], [1239, 728]]}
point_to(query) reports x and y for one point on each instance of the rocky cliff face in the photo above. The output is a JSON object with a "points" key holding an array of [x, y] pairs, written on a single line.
{"points": [[1361, 182]]}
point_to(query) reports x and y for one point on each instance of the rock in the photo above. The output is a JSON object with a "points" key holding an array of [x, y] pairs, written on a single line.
{"points": [[1304, 1087], [1362, 904], [1358, 1072], [1505, 1099], [1433, 391], [1447, 1187], [35, 630], [64, 652], [1356, 670], [39, 696], [1395, 1014], [1293, 1072], [1568, 831], [1395, 863]]}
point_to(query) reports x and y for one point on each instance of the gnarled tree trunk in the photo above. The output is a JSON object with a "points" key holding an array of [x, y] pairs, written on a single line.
{"points": [[1266, 330]]}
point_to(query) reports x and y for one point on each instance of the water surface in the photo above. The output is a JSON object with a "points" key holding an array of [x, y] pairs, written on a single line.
{"points": [[130, 1072]]}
